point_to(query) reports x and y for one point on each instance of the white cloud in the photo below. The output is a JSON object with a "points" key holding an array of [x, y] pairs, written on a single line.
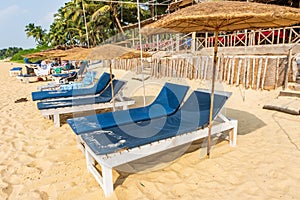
{"points": [[11, 11]]}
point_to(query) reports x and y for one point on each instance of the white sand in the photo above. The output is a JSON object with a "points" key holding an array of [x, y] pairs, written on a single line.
{"points": [[39, 161]]}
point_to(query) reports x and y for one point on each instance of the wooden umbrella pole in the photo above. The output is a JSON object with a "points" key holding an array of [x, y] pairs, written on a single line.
{"points": [[111, 84], [212, 91]]}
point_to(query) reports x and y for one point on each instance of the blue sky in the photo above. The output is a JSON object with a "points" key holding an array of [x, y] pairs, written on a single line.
{"points": [[16, 14]]}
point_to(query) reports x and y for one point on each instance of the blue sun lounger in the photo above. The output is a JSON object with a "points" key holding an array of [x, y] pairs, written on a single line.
{"points": [[101, 84], [166, 103], [15, 71], [103, 100], [125, 143], [68, 84]]}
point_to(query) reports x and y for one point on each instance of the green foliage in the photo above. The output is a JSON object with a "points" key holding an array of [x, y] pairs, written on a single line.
{"points": [[39, 34], [18, 57], [103, 20], [7, 53]]}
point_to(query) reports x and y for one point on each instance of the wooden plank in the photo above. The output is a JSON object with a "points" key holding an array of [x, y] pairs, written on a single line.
{"points": [[258, 73], [253, 73], [247, 72], [232, 71], [276, 73], [287, 69], [264, 73], [289, 94], [237, 83], [229, 70]]}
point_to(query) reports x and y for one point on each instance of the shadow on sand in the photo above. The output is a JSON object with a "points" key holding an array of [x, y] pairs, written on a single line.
{"points": [[247, 123]]}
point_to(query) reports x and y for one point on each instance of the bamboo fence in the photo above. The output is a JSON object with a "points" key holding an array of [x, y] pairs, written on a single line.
{"points": [[255, 71]]}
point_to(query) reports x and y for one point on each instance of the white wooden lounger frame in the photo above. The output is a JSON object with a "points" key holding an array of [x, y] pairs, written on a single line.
{"points": [[119, 101], [109, 161]]}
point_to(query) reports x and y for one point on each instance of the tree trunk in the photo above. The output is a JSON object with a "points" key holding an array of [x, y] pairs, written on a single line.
{"points": [[117, 20]]}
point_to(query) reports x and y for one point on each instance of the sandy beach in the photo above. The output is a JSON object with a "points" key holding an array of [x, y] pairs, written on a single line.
{"points": [[40, 161]]}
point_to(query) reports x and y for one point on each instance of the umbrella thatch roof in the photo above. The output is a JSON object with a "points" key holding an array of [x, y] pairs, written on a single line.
{"points": [[46, 54], [112, 51], [225, 16], [104, 52], [76, 53]]}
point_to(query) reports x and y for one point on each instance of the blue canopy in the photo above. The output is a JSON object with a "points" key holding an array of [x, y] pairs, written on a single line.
{"points": [[96, 89], [105, 96], [166, 103], [193, 115]]}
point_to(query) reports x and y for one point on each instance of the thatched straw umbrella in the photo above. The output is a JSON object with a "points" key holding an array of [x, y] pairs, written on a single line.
{"points": [[224, 16], [112, 51]]}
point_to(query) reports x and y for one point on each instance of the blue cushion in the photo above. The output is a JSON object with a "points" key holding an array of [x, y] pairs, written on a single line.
{"points": [[16, 69], [166, 103], [96, 89], [105, 96]]}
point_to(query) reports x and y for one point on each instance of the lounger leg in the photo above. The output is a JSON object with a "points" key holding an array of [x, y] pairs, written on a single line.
{"points": [[105, 181], [233, 133], [56, 120]]}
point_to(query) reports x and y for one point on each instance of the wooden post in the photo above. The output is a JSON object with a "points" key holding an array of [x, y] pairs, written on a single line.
{"points": [[264, 73], [229, 70], [247, 71], [287, 69], [253, 73], [225, 69], [212, 92], [218, 68], [238, 72], [258, 73], [221, 66], [276, 73], [232, 70], [193, 46], [205, 68], [177, 42]]}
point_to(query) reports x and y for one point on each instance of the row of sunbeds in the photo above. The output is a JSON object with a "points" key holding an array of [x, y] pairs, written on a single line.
{"points": [[114, 138]]}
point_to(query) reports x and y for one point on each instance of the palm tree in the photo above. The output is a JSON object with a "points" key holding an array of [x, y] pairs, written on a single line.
{"points": [[37, 33]]}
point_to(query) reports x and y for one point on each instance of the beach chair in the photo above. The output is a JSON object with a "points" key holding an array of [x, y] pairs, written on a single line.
{"points": [[80, 73], [15, 71], [70, 83], [167, 102], [102, 101], [100, 85], [119, 145], [35, 72], [29, 76]]}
